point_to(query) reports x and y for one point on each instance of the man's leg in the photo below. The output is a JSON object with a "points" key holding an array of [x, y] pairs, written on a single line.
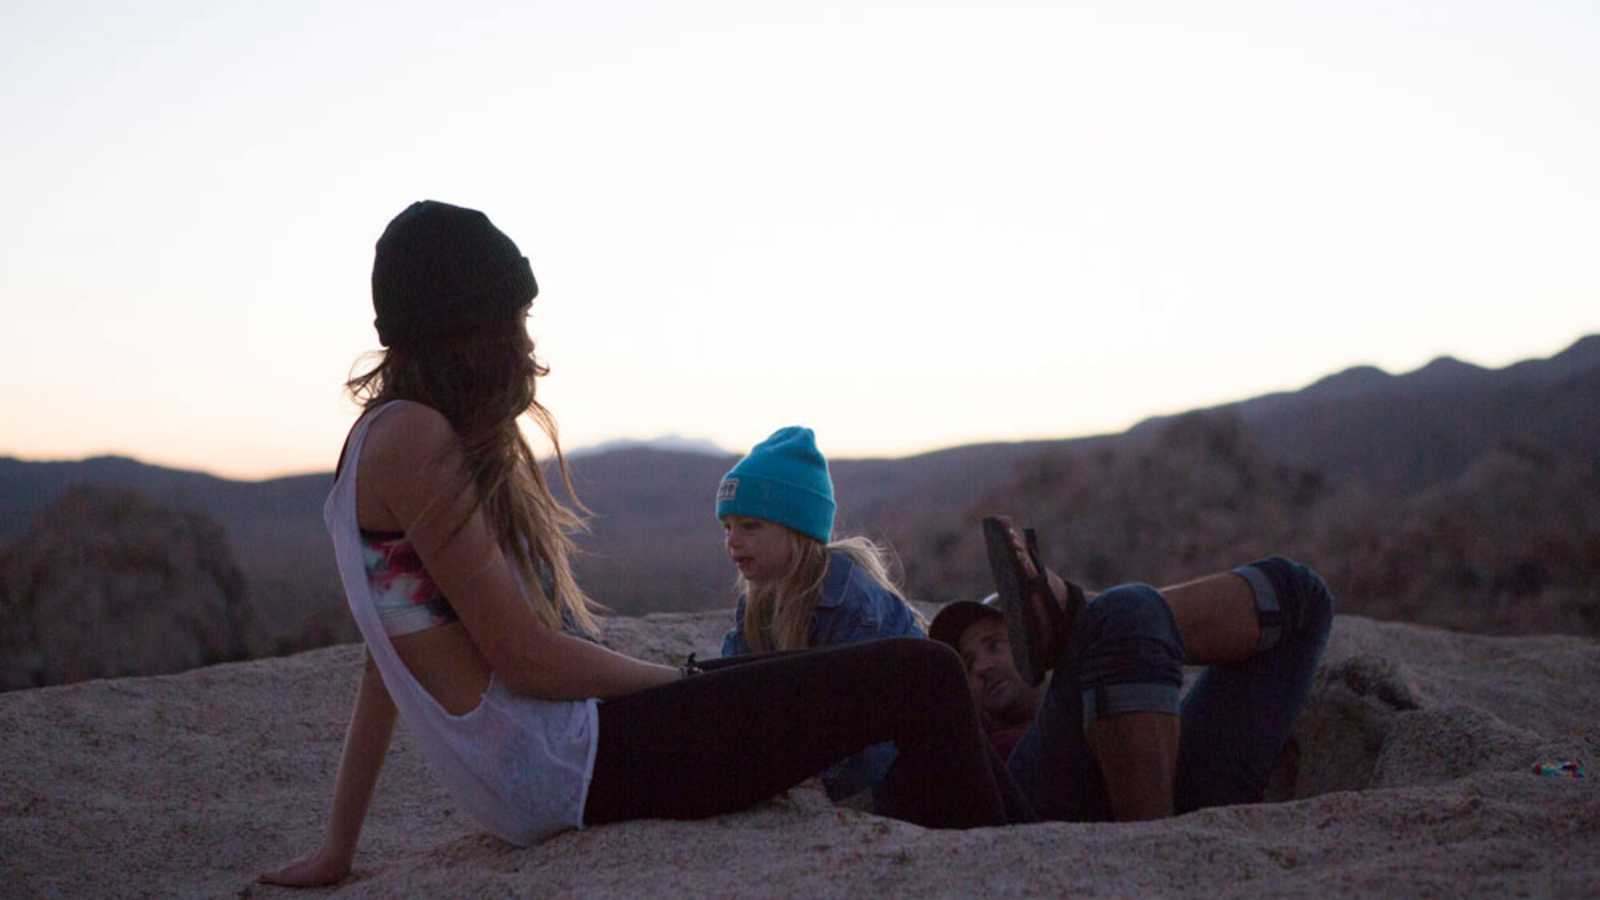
{"points": [[1108, 739], [1138, 751], [1241, 712], [1105, 741], [1138, 756], [1217, 618]]}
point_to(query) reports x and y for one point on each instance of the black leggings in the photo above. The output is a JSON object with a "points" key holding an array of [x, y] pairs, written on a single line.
{"points": [[753, 726]]}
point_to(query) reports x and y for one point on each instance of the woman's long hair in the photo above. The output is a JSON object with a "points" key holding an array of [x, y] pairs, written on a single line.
{"points": [[483, 382], [777, 613]]}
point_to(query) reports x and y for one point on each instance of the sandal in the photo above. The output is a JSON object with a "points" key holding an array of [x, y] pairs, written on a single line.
{"points": [[1037, 631]]}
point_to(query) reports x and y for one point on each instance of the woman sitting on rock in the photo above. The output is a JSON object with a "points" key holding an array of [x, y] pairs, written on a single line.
{"points": [[799, 588], [454, 557]]}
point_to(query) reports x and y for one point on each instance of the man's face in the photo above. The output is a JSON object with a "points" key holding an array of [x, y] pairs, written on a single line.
{"points": [[1000, 693]]}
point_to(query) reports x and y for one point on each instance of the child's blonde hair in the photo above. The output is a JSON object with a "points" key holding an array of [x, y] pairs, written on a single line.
{"points": [[777, 613]]}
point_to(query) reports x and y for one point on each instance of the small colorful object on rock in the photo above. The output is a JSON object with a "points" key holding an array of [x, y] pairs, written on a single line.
{"points": [[1564, 769]]}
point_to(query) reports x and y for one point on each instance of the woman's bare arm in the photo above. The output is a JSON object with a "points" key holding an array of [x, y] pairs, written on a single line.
{"points": [[414, 468], [365, 745]]}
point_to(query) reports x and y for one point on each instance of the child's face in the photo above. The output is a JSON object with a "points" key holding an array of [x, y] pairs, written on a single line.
{"points": [[760, 549]]}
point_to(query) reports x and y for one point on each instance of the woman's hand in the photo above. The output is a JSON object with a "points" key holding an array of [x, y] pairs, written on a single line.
{"points": [[365, 743], [314, 870]]}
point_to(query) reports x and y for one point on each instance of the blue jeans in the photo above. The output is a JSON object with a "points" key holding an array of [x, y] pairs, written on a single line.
{"points": [[1126, 656]]}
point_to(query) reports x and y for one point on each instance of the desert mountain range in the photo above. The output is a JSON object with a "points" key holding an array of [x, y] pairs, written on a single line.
{"points": [[1454, 496]]}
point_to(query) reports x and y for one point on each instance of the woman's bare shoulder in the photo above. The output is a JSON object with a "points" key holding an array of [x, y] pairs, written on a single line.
{"points": [[411, 454], [408, 432]]}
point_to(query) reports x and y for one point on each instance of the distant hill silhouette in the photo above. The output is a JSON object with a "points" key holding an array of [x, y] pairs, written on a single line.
{"points": [[1411, 432], [671, 442], [1452, 495]]}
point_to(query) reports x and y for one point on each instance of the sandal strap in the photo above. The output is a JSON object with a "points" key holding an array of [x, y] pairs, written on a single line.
{"points": [[1040, 583]]}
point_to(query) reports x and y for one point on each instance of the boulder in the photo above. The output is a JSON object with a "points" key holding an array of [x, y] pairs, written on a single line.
{"points": [[106, 584]]}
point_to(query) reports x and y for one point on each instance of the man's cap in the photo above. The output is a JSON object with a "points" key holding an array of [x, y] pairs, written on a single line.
{"points": [[954, 618]]}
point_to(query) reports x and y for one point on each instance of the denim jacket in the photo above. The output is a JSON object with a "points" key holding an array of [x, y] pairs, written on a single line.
{"points": [[851, 607]]}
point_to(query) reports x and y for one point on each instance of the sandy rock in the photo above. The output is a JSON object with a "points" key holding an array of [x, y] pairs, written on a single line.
{"points": [[190, 784]]}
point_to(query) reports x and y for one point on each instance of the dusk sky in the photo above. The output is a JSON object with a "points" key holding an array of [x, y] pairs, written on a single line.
{"points": [[907, 225]]}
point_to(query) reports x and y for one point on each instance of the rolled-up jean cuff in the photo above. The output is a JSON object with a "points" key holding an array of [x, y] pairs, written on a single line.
{"points": [[1269, 616], [1116, 699]]}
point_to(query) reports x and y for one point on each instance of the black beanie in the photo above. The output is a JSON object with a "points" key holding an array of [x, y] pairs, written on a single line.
{"points": [[443, 269]]}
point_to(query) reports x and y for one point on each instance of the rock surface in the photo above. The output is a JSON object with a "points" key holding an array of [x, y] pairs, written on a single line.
{"points": [[1413, 778]]}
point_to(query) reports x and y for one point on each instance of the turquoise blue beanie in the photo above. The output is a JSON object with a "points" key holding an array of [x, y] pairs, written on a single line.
{"points": [[783, 479]]}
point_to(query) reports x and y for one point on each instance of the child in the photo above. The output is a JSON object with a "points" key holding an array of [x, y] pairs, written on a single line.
{"points": [[799, 588]]}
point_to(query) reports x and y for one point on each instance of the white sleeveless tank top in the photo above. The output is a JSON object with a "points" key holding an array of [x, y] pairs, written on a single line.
{"points": [[519, 766]]}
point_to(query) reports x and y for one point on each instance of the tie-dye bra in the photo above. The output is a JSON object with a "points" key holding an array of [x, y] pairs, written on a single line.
{"points": [[404, 593]]}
